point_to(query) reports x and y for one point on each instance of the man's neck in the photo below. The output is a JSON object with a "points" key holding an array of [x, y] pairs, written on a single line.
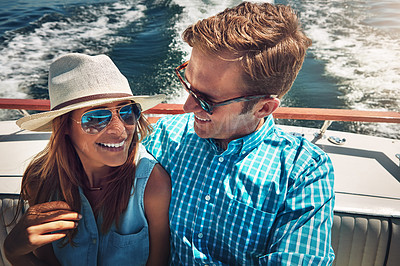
{"points": [[223, 143]]}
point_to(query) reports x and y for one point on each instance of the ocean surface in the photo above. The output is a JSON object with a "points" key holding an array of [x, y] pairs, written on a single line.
{"points": [[354, 62]]}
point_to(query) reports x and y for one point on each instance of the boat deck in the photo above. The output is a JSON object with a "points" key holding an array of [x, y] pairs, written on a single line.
{"points": [[367, 172]]}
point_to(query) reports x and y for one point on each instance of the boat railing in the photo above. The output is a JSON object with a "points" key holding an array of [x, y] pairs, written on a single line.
{"points": [[296, 113]]}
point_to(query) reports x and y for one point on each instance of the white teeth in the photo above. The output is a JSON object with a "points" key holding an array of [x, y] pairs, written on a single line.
{"points": [[201, 119], [113, 145]]}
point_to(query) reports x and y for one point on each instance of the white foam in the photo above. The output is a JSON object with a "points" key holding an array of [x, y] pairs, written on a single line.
{"points": [[25, 55], [365, 59], [358, 51]]}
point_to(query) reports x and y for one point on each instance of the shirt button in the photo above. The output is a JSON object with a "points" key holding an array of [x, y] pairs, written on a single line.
{"points": [[207, 197], [243, 152], [94, 240], [220, 159], [200, 235]]}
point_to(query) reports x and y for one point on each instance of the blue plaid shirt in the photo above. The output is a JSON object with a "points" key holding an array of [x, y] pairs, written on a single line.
{"points": [[267, 199]]}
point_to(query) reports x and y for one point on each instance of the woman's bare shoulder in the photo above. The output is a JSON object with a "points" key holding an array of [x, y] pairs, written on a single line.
{"points": [[159, 183], [158, 190]]}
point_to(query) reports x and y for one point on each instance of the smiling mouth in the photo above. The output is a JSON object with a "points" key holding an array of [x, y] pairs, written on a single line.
{"points": [[112, 145], [202, 119]]}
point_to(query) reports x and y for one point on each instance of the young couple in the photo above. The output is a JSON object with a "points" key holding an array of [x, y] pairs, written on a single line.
{"points": [[217, 185]]}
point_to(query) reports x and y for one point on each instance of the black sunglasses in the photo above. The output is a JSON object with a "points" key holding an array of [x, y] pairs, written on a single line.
{"points": [[207, 105], [94, 121]]}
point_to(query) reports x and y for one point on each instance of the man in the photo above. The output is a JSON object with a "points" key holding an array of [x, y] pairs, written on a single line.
{"points": [[243, 192]]}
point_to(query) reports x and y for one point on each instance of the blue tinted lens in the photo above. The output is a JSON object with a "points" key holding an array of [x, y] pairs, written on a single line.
{"points": [[95, 121], [130, 113], [205, 106]]}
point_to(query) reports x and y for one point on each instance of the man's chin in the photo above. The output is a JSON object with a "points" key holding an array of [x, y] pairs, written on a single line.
{"points": [[204, 134]]}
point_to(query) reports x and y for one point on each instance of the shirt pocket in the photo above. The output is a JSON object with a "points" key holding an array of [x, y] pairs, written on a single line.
{"points": [[130, 248], [249, 229]]}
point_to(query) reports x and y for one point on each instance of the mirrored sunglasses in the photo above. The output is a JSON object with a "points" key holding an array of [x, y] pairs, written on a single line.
{"points": [[94, 121]]}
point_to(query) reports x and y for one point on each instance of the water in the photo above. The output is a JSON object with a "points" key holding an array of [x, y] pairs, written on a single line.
{"points": [[354, 62]]}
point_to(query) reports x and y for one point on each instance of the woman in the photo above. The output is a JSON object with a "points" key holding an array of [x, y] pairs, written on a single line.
{"points": [[95, 195]]}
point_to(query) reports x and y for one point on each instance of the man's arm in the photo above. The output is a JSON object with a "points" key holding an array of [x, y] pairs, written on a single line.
{"points": [[302, 230]]}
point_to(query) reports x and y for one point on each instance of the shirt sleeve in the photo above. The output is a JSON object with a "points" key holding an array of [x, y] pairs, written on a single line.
{"points": [[302, 230], [165, 139]]}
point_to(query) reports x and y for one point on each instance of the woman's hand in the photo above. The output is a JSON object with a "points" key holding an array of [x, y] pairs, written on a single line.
{"points": [[40, 225]]}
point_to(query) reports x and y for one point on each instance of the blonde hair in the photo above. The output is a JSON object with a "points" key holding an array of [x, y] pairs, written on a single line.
{"points": [[266, 39], [56, 173]]}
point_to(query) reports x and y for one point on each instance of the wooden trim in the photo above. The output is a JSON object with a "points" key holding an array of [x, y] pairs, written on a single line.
{"points": [[166, 108], [281, 113], [25, 104], [337, 115]]}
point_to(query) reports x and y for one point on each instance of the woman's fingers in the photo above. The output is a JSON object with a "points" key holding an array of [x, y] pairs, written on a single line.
{"points": [[43, 234], [51, 205], [34, 242], [52, 227], [50, 216], [50, 211], [41, 225]]}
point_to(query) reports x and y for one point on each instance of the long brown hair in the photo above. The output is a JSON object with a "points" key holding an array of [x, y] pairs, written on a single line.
{"points": [[56, 173]]}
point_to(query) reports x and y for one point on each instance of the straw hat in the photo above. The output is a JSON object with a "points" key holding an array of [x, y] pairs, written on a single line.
{"points": [[78, 81]]}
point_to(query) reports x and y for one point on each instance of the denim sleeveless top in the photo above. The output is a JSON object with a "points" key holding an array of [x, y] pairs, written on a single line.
{"points": [[127, 246]]}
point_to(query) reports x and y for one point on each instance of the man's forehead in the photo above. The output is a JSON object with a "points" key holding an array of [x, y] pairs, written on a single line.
{"points": [[207, 65], [215, 82]]}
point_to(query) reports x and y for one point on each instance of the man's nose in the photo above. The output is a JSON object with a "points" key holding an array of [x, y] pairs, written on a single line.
{"points": [[191, 105]]}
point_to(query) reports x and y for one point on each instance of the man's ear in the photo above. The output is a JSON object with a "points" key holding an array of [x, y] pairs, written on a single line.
{"points": [[266, 107]]}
